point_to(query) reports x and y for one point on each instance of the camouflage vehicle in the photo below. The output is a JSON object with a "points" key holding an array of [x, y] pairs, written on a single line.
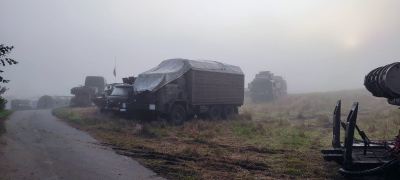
{"points": [[179, 89], [19, 104], [267, 87], [94, 86]]}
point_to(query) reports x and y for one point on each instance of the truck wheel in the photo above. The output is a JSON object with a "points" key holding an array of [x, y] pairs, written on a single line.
{"points": [[227, 112], [215, 112], [177, 115]]}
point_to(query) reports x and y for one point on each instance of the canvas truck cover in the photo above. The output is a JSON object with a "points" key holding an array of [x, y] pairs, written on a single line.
{"points": [[172, 69]]}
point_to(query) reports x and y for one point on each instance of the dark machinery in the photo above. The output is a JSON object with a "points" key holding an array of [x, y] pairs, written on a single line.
{"points": [[267, 87], [385, 82], [101, 101], [94, 86], [367, 157]]}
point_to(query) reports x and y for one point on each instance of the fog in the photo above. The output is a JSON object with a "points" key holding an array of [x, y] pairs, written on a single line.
{"points": [[316, 45]]}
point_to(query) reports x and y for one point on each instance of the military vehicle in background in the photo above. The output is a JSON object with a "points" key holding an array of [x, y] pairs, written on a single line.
{"points": [[101, 101], [121, 95], [94, 86], [114, 99], [19, 104], [267, 87], [281, 89], [179, 89]]}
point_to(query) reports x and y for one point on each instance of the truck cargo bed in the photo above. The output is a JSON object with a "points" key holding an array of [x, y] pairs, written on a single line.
{"points": [[213, 87]]}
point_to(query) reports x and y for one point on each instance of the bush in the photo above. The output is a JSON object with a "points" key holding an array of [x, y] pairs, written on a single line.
{"points": [[3, 103]]}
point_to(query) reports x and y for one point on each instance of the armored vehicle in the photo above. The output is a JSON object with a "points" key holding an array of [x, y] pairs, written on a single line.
{"points": [[179, 89], [19, 104], [94, 86], [267, 87]]}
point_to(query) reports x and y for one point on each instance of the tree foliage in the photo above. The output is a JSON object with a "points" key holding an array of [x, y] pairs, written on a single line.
{"points": [[4, 51], [3, 101]]}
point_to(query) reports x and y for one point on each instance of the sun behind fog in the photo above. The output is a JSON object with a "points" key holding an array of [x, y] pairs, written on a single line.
{"points": [[351, 42]]}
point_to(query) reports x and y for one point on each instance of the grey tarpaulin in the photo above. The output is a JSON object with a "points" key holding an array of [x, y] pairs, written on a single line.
{"points": [[172, 69]]}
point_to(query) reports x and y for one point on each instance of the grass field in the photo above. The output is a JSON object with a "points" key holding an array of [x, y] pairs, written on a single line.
{"points": [[282, 139]]}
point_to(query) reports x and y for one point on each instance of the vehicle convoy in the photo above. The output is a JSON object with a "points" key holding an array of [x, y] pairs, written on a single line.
{"points": [[179, 89], [19, 104], [94, 86], [267, 87], [368, 157]]}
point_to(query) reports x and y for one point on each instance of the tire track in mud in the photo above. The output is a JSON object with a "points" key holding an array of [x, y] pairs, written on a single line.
{"points": [[206, 161]]}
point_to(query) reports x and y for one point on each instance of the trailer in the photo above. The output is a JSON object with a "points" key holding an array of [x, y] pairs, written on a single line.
{"points": [[179, 89]]}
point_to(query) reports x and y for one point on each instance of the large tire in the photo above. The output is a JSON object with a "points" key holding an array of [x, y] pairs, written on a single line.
{"points": [[215, 112], [177, 115], [227, 112]]}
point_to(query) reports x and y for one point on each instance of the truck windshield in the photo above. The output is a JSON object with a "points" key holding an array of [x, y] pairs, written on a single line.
{"points": [[120, 91]]}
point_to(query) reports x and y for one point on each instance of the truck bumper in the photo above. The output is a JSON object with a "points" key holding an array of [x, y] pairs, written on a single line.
{"points": [[150, 107]]}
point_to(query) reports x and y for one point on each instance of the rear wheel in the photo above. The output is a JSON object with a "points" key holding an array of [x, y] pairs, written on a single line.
{"points": [[215, 112], [177, 114], [227, 112]]}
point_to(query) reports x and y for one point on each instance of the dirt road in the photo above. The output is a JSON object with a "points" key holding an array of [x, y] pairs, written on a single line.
{"points": [[38, 146]]}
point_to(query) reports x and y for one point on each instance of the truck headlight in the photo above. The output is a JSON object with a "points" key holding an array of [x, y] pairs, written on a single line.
{"points": [[123, 105]]}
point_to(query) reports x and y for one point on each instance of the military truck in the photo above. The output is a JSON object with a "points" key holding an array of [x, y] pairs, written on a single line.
{"points": [[101, 101], [267, 87], [94, 86], [121, 95], [179, 89], [19, 104], [281, 89]]}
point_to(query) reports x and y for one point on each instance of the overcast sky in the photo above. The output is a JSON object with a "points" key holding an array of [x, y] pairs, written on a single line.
{"points": [[316, 45]]}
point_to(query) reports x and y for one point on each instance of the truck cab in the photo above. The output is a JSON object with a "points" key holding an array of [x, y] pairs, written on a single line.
{"points": [[120, 98]]}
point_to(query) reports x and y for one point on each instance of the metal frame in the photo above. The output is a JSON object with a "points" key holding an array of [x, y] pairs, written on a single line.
{"points": [[354, 154]]}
